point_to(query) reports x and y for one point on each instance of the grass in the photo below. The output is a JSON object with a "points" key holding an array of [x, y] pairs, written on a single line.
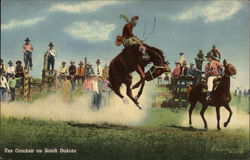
{"points": [[159, 137]]}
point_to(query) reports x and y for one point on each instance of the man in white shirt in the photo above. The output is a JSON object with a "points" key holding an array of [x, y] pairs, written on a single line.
{"points": [[10, 70], [98, 69], [182, 58], [4, 88], [51, 56]]}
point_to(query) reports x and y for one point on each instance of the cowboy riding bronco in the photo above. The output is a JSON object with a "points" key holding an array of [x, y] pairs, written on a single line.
{"points": [[128, 38]]}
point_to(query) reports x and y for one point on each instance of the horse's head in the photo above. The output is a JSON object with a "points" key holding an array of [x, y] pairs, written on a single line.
{"points": [[156, 71], [230, 70]]}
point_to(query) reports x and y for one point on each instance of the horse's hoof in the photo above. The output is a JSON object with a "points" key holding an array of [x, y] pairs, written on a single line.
{"points": [[205, 127], [218, 128], [225, 124], [136, 97], [140, 107], [125, 101]]}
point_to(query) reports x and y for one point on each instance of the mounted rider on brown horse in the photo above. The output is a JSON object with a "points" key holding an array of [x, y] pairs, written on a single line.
{"points": [[220, 96]]}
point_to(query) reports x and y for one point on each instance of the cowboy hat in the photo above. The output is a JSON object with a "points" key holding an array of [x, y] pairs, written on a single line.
{"points": [[18, 62], [177, 62], [135, 18], [98, 61], [71, 62], [27, 39], [10, 62], [213, 46], [51, 44], [181, 53], [209, 54], [184, 63], [63, 63], [191, 64], [81, 63], [200, 51]]}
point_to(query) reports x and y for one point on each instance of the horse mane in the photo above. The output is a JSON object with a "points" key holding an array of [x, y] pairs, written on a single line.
{"points": [[160, 52]]}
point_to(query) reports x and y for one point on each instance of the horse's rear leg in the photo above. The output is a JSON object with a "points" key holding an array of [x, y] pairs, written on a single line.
{"points": [[116, 89], [203, 109], [218, 117], [230, 115], [193, 103]]}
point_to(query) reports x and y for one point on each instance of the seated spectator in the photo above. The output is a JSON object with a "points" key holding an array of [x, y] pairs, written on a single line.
{"points": [[2, 66], [63, 70], [80, 72], [10, 70]]}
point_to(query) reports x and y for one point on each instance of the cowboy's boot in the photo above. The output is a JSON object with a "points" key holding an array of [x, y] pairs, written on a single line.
{"points": [[209, 96], [144, 56]]}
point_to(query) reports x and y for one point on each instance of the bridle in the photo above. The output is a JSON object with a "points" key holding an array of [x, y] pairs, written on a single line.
{"points": [[155, 67]]}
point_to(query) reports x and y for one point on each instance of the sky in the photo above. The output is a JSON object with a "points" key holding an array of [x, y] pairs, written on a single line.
{"points": [[88, 29]]}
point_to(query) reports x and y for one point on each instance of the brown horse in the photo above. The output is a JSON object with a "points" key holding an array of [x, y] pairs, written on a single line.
{"points": [[128, 61], [221, 96]]}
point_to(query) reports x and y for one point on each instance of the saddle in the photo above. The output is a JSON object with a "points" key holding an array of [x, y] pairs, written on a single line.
{"points": [[203, 83]]}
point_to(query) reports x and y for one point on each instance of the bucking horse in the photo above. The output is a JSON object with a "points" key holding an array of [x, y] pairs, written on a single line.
{"points": [[128, 61], [220, 95]]}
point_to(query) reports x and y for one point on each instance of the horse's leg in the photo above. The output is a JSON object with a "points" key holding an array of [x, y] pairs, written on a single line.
{"points": [[140, 71], [140, 91], [230, 115], [218, 117], [116, 89], [130, 95], [191, 111], [203, 109]]}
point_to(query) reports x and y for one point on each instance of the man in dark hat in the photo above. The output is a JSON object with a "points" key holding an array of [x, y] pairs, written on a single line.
{"points": [[80, 72], [212, 71], [72, 73], [98, 69], [89, 70], [216, 53], [27, 50], [19, 72], [51, 56]]}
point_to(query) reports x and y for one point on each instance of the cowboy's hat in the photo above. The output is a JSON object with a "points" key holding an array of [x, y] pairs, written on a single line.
{"points": [[81, 63], [51, 44], [71, 62], [63, 63], [181, 53], [10, 62], [209, 54], [191, 64], [200, 51], [18, 62], [98, 61], [135, 18], [177, 62], [213, 46], [27, 39], [184, 63]]}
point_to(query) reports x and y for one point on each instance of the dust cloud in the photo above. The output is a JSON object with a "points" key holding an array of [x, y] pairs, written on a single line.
{"points": [[80, 110]]}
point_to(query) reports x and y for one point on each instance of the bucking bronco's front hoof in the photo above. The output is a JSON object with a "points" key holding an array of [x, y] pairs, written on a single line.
{"points": [[225, 124]]}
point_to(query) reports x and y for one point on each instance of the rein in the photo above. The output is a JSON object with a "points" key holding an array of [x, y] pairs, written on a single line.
{"points": [[155, 67]]}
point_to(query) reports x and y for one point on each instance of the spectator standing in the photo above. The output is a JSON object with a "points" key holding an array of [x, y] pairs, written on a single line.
{"points": [[51, 56], [4, 88], [12, 84], [27, 51]]}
